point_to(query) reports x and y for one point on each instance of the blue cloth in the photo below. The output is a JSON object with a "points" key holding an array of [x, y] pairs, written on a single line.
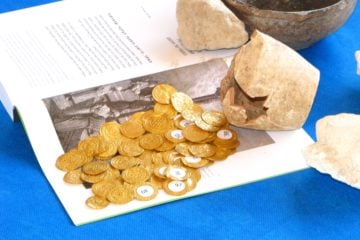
{"points": [[300, 205]]}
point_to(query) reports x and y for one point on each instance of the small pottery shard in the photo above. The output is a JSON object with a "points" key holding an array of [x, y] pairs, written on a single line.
{"points": [[269, 86], [208, 24], [337, 150]]}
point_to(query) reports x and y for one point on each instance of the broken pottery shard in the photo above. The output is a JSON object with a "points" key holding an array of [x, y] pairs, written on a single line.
{"points": [[357, 56], [208, 24], [269, 86], [337, 150]]}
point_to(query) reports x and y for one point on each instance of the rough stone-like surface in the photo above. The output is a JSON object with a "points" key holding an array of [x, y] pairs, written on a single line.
{"points": [[357, 56], [337, 150], [208, 24], [269, 86]]}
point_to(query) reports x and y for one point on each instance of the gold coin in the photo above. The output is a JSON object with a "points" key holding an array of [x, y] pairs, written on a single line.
{"points": [[73, 177], [195, 134], [157, 158], [165, 108], [175, 136], [151, 141], [176, 173], [221, 153], [95, 167], [194, 162], [97, 202], [123, 162], [92, 146], [195, 174], [146, 158], [120, 195], [202, 150], [103, 188], [112, 173], [131, 148], [182, 123], [191, 183], [175, 187], [156, 181], [191, 115], [145, 191], [135, 175], [160, 170], [132, 129], [183, 148], [111, 150], [110, 130], [166, 146], [214, 118], [136, 117], [157, 123], [226, 138], [171, 157], [205, 126], [181, 101], [72, 160], [162, 93], [92, 178]]}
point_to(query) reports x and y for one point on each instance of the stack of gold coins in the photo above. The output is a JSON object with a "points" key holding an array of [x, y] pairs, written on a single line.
{"points": [[160, 149]]}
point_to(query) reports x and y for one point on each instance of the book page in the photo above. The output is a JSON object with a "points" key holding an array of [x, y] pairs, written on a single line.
{"points": [[57, 123], [101, 43]]}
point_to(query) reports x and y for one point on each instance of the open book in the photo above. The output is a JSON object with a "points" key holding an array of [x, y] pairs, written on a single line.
{"points": [[78, 64]]}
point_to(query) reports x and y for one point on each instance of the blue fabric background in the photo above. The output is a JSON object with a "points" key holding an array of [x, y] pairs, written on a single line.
{"points": [[301, 205]]}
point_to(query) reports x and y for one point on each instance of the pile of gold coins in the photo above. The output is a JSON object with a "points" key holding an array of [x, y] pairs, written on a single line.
{"points": [[160, 149]]}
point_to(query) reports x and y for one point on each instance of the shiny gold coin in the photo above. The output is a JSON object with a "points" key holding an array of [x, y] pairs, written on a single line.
{"points": [[92, 178], [160, 170], [157, 158], [111, 150], [162, 93], [156, 181], [183, 148], [135, 175], [92, 146], [194, 162], [166, 109], [120, 195], [191, 115], [181, 101], [73, 177], [195, 174], [205, 126], [195, 134], [131, 148], [176, 173], [166, 146], [132, 129], [72, 160], [214, 118], [157, 123], [110, 130], [151, 141], [95, 167], [181, 123], [124, 162], [112, 173], [145, 191], [202, 150], [146, 158], [221, 154], [175, 187], [226, 138], [175, 136], [172, 158], [103, 188], [137, 117], [191, 183], [97, 202]]}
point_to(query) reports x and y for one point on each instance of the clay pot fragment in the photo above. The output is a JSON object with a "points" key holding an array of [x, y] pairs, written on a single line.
{"points": [[269, 86]]}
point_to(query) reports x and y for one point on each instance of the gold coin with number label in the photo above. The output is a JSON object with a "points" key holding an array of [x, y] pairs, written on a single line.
{"points": [[145, 191]]}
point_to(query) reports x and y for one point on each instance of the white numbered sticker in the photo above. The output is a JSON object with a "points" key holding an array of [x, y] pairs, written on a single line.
{"points": [[177, 172], [176, 186], [224, 134], [177, 134], [145, 191], [184, 123]]}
